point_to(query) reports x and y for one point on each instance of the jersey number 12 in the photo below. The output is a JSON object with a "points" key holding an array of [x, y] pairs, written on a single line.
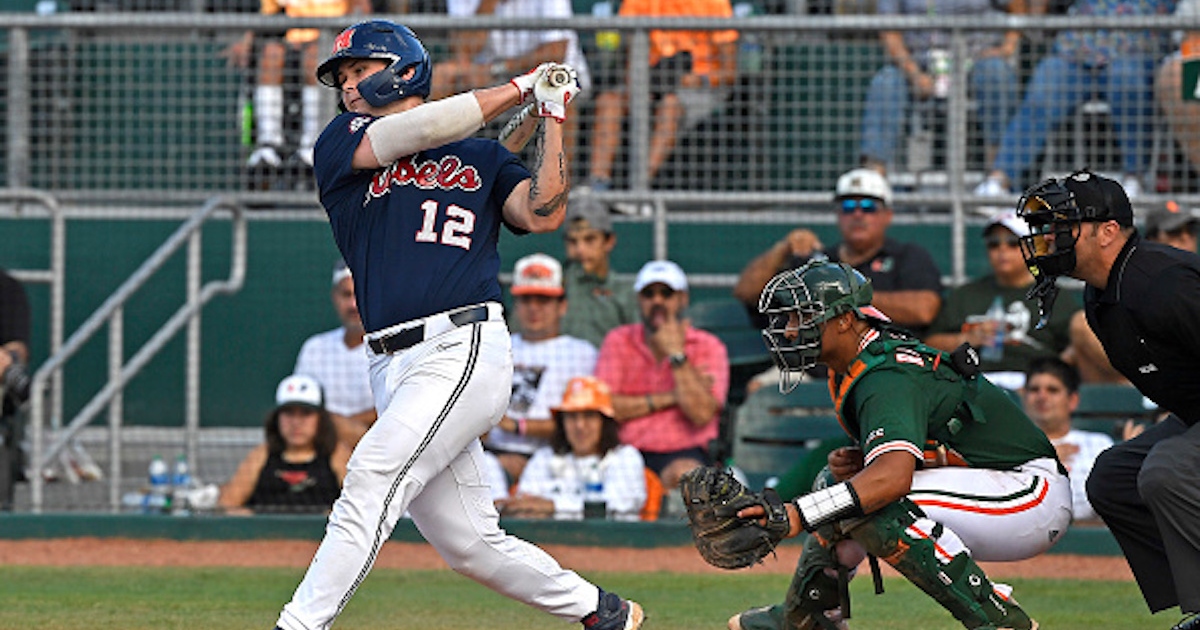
{"points": [[456, 229]]}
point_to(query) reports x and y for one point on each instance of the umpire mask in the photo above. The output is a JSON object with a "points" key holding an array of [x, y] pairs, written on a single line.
{"points": [[1054, 222]]}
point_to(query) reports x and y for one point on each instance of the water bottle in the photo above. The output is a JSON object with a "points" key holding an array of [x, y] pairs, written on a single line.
{"points": [[750, 46], [939, 67], [159, 497], [593, 494], [181, 484], [994, 349]]}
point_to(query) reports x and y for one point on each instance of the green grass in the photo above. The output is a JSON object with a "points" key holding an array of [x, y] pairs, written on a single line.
{"points": [[99, 598]]}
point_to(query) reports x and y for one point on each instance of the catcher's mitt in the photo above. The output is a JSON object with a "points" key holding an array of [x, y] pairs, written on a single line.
{"points": [[713, 498]]}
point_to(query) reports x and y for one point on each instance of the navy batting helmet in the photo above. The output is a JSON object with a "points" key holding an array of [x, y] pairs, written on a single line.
{"points": [[381, 39]]}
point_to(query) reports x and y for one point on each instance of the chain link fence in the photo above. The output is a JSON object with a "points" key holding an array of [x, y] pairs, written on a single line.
{"points": [[129, 110]]}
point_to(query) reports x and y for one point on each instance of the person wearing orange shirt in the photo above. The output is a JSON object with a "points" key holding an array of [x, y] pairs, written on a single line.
{"points": [[695, 61]]}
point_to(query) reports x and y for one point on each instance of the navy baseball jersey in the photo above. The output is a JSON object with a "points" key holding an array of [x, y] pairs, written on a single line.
{"points": [[420, 235]]}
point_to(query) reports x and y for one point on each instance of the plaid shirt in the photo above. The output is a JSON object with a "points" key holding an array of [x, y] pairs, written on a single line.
{"points": [[343, 373]]}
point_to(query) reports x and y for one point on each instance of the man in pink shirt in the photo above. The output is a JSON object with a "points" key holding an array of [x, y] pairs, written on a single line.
{"points": [[668, 379]]}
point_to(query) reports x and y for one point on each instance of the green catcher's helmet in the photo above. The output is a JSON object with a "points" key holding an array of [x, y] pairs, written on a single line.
{"points": [[816, 293]]}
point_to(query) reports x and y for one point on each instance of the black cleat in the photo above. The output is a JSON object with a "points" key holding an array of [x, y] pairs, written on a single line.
{"points": [[614, 613]]}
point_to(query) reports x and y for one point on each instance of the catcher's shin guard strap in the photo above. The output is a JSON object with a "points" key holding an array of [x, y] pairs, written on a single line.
{"points": [[827, 505], [815, 594], [933, 558]]}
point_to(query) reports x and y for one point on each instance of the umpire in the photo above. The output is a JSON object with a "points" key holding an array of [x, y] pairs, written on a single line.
{"points": [[1143, 301]]}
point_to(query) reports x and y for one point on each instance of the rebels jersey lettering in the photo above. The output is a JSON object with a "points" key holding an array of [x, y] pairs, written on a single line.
{"points": [[419, 235]]}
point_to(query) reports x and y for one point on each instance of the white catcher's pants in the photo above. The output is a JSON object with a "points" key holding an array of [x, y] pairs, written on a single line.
{"points": [[997, 515], [423, 455]]}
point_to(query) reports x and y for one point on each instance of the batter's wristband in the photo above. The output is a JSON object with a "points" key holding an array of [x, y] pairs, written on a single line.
{"points": [[522, 428], [827, 505]]}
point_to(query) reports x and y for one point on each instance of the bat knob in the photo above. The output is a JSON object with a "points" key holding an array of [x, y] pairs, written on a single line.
{"points": [[558, 77]]}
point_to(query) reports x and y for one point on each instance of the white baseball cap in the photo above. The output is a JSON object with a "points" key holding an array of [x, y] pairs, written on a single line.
{"points": [[299, 389], [864, 182], [537, 274], [340, 272], [1010, 220], [663, 271]]}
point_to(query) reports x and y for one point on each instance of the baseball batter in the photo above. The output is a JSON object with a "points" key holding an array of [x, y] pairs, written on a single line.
{"points": [[416, 209], [950, 470]]}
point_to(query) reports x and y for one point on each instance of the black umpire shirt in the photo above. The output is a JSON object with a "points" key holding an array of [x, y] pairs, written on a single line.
{"points": [[1148, 318]]}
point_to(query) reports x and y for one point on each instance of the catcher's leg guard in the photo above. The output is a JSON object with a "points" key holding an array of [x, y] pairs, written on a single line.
{"points": [[934, 559], [812, 593]]}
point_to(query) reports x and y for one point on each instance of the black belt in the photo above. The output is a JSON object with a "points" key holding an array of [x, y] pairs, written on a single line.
{"points": [[410, 337]]}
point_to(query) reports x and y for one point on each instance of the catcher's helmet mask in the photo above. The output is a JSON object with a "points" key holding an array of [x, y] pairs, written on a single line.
{"points": [[409, 71], [798, 303]]}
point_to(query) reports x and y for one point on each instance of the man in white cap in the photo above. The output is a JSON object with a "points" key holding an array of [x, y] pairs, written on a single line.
{"points": [[908, 284], [337, 360], [544, 360], [669, 380], [993, 314]]}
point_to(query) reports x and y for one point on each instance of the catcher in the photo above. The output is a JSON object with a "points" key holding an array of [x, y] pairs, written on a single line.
{"points": [[948, 470]]}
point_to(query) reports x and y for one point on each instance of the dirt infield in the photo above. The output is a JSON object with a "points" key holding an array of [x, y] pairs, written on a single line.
{"points": [[292, 553]]}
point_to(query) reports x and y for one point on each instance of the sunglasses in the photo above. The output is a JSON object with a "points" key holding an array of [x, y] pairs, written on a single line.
{"points": [[651, 292], [994, 242], [868, 206]]}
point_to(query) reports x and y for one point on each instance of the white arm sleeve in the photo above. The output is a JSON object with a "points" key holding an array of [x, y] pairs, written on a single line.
{"points": [[426, 126]]}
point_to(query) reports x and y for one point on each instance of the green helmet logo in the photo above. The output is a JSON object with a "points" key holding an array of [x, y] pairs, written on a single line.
{"points": [[798, 301]]}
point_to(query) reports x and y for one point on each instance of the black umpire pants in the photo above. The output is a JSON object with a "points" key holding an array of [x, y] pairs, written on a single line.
{"points": [[1147, 490]]}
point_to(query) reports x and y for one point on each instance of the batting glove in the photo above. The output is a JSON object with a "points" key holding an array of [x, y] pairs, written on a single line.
{"points": [[554, 90], [525, 82]]}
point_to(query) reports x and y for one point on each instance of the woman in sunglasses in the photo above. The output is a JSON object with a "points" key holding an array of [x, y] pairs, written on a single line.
{"points": [[993, 314]]}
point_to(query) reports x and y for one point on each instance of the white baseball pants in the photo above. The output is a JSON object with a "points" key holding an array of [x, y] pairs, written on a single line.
{"points": [[423, 455]]}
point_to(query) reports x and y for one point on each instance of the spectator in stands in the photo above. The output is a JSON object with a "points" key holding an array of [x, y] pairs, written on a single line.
{"points": [[598, 301], [1116, 64], [337, 360], [273, 150], [908, 285], [14, 381], [688, 70], [967, 313], [1051, 396], [486, 58], [669, 380], [544, 360], [1173, 225], [920, 69], [585, 450], [301, 465], [1182, 115]]}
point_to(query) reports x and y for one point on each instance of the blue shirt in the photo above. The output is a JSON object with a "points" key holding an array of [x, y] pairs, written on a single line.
{"points": [[419, 235]]}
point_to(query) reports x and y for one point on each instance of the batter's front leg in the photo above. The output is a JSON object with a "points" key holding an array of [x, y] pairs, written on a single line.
{"points": [[456, 515], [445, 393]]}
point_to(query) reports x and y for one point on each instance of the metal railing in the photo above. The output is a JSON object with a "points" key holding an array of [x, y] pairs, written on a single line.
{"points": [[121, 371], [54, 275]]}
